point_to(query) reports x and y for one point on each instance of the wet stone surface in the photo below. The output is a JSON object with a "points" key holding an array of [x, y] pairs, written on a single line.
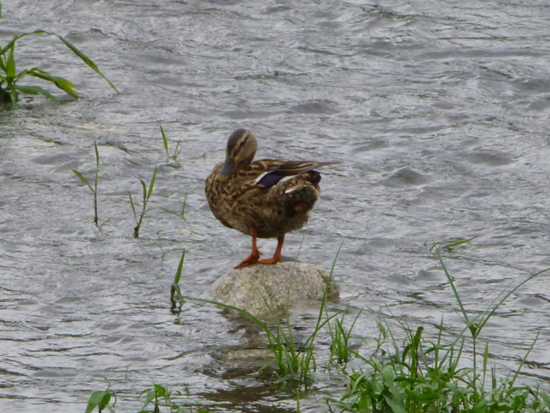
{"points": [[265, 291]]}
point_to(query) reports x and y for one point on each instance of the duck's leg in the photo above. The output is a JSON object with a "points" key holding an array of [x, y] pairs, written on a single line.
{"points": [[254, 255], [277, 256]]}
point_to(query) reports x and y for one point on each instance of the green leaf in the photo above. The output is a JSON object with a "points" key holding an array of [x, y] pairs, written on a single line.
{"points": [[63, 84], [96, 154], [2, 64], [132, 204], [459, 242], [21, 75], [10, 64], [175, 291], [96, 165], [13, 96], [395, 406], [144, 187], [86, 60], [180, 268], [159, 389], [152, 184], [83, 179], [98, 399], [164, 139], [35, 90], [486, 357], [11, 44], [150, 397]]}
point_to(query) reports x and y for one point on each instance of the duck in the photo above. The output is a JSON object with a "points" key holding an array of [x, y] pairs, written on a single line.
{"points": [[265, 198]]}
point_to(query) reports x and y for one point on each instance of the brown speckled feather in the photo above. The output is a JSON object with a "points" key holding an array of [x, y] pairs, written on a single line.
{"points": [[242, 202]]}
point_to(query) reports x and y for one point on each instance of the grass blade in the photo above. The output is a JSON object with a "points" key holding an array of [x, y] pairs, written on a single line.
{"points": [[164, 140], [85, 59], [495, 305], [96, 164], [83, 179], [12, 43], [99, 399], [144, 188], [524, 359], [455, 292], [180, 268], [152, 184], [63, 84], [132, 205], [35, 90], [10, 64]]}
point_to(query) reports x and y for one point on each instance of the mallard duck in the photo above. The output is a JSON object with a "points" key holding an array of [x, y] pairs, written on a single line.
{"points": [[266, 198]]}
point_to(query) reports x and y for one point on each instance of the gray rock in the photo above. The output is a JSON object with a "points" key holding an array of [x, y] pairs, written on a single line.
{"points": [[246, 288]]}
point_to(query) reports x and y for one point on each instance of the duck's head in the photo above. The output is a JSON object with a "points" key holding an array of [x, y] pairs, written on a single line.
{"points": [[241, 148]]}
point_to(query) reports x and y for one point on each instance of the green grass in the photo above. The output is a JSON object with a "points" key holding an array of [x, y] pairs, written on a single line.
{"points": [[94, 188], [423, 375], [177, 150], [147, 192], [429, 375], [155, 397], [10, 77], [340, 350]]}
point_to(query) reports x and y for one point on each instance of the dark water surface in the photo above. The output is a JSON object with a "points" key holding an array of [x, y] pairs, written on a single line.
{"points": [[439, 112]]}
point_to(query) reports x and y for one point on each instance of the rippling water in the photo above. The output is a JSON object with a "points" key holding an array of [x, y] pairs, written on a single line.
{"points": [[438, 111]]}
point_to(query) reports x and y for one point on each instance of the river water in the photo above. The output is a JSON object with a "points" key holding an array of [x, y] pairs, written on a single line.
{"points": [[438, 112]]}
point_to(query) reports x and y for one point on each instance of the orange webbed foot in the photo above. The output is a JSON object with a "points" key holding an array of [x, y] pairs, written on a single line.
{"points": [[270, 261], [251, 259], [277, 256]]}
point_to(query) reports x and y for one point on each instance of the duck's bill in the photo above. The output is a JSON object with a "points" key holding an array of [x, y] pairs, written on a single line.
{"points": [[228, 166]]}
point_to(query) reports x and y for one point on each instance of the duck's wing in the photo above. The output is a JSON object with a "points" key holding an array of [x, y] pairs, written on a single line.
{"points": [[269, 172]]}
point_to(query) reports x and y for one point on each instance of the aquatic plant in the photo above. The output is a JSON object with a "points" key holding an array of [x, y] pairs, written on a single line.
{"points": [[340, 350], [155, 393], [10, 77], [176, 297], [177, 150], [158, 394], [94, 189], [146, 195], [100, 399], [421, 375]]}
